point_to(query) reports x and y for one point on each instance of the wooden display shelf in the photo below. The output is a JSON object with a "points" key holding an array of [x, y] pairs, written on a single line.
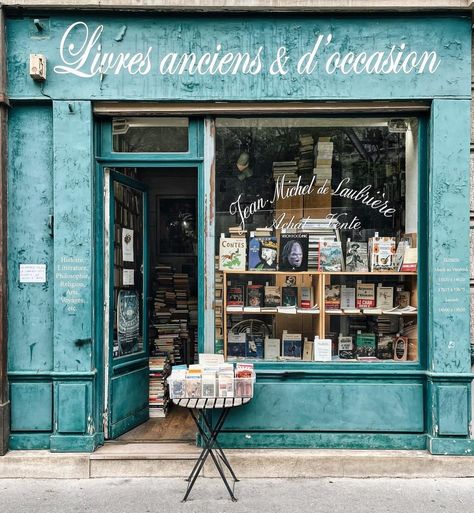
{"points": [[326, 273], [308, 312]]}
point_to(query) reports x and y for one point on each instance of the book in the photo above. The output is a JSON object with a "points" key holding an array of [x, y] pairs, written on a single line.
{"points": [[272, 348], [332, 297], [402, 298], [235, 295], [263, 252], [255, 346], [232, 254], [345, 347], [293, 252], [307, 350], [322, 349], [356, 256], [272, 296], [347, 297], [306, 299], [292, 345], [410, 260], [236, 344], [255, 295], [384, 297], [330, 256], [365, 344], [382, 253], [289, 296], [385, 347], [400, 349], [365, 295]]}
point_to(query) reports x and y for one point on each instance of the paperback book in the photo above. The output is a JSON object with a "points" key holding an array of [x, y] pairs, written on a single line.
{"points": [[356, 256], [347, 297], [345, 348], [263, 252], [272, 296], [254, 295], [365, 344], [236, 345], [293, 252], [330, 256], [292, 345], [332, 297], [232, 254], [384, 297], [272, 348], [382, 253], [289, 296], [235, 295], [255, 346], [365, 295], [306, 300]]}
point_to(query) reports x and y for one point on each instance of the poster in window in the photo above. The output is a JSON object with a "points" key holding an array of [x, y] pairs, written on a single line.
{"points": [[128, 321]]}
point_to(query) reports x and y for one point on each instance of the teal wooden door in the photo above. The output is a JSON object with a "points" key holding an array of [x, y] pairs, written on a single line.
{"points": [[126, 312]]}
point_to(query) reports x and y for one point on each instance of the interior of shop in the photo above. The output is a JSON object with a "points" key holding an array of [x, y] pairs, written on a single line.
{"points": [[170, 243]]}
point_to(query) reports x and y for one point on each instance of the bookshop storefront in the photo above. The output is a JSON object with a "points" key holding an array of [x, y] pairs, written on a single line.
{"points": [[291, 192]]}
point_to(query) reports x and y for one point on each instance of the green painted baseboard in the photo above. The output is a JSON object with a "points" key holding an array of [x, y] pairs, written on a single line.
{"points": [[76, 443], [451, 446], [128, 423], [314, 440], [27, 441]]}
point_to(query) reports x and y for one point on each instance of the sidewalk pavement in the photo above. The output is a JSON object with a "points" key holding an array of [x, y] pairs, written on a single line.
{"points": [[158, 495]]}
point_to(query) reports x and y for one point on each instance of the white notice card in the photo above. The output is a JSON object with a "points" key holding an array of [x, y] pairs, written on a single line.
{"points": [[32, 273], [128, 276], [127, 245], [322, 350]]}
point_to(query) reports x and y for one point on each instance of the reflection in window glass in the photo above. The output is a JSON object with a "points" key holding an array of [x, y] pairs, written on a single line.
{"points": [[333, 204], [146, 135]]}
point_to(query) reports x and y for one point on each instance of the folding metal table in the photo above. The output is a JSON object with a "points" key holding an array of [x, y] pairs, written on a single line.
{"points": [[209, 433]]}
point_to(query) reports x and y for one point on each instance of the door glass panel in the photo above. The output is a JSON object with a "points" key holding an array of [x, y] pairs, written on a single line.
{"points": [[150, 135], [128, 270]]}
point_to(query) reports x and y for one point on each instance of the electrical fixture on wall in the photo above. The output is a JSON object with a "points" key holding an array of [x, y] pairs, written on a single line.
{"points": [[38, 67]]}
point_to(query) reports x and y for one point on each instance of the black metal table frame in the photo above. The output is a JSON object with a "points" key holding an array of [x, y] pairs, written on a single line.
{"points": [[209, 434]]}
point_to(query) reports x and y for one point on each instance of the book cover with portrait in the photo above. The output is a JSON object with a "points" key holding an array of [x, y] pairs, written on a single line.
{"points": [[293, 252]]}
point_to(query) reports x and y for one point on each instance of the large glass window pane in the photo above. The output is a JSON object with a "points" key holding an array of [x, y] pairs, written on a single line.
{"points": [[150, 135], [316, 236]]}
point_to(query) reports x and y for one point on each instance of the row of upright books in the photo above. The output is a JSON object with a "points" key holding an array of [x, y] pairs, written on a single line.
{"points": [[312, 251]]}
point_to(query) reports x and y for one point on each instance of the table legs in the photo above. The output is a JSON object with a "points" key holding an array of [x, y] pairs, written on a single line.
{"points": [[210, 441]]}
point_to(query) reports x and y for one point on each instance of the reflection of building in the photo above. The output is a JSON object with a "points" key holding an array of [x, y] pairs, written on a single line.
{"points": [[61, 142]]}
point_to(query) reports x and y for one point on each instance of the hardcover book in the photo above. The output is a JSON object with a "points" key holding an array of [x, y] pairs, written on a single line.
{"points": [[365, 295], [263, 252], [332, 297], [365, 344], [254, 295], [292, 345], [232, 254], [293, 252], [330, 256], [289, 296], [384, 297], [272, 296], [356, 257], [236, 344]]}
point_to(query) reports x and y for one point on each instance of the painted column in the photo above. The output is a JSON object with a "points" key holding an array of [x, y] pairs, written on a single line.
{"points": [[4, 399], [449, 366], [74, 367]]}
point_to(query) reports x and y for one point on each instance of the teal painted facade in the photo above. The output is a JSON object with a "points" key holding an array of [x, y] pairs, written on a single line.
{"points": [[55, 165]]}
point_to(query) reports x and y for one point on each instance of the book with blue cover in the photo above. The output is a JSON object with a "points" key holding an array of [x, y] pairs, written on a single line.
{"points": [[255, 346], [262, 253]]}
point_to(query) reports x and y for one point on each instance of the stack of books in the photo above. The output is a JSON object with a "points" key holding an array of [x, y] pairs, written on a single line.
{"points": [[287, 168], [306, 154], [323, 168], [158, 397]]}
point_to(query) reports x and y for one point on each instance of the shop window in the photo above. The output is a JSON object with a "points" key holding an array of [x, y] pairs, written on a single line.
{"points": [[316, 239], [150, 135]]}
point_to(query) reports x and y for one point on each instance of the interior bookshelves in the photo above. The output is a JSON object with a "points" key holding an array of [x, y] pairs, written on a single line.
{"points": [[314, 321]]}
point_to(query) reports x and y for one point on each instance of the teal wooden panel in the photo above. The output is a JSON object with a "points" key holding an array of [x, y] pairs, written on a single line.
{"points": [[453, 410], [73, 189], [31, 406], [129, 394], [72, 407], [392, 57], [448, 262], [30, 203], [332, 407]]}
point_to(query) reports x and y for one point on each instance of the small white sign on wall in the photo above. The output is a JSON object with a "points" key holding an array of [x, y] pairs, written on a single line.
{"points": [[128, 276], [32, 273]]}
